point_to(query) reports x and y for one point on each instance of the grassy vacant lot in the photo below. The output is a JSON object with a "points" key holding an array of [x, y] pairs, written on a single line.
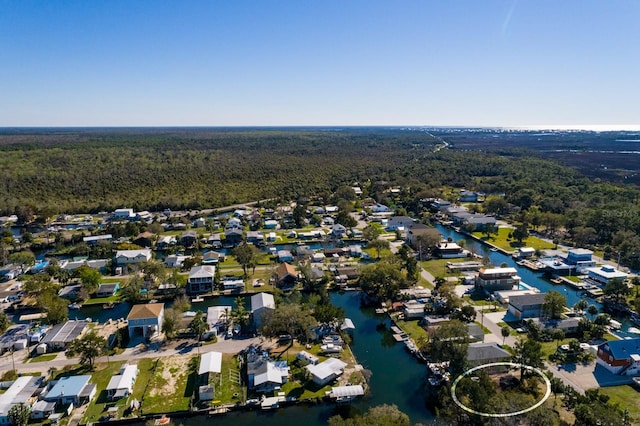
{"points": [[438, 267], [502, 240], [171, 385], [102, 300], [227, 384], [412, 329], [627, 397], [43, 358]]}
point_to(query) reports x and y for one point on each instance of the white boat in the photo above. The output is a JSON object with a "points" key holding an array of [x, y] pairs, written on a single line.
{"points": [[73, 306], [634, 330]]}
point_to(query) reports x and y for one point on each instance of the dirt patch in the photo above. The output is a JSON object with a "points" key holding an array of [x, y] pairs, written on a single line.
{"points": [[170, 370]]}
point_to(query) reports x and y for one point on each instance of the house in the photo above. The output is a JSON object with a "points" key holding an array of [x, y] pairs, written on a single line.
{"points": [[126, 214], [479, 222], [496, 279], [338, 231], [605, 273], [440, 204], [413, 310], [175, 260], [126, 257], [165, 242], [578, 255], [144, 239], [556, 266], [188, 239], [285, 275], [232, 283], [568, 325], [419, 232], [200, 222], [399, 223], [526, 252], [218, 318], [380, 208], [201, 279], [355, 251], [210, 362], [232, 236], [97, 264], [20, 392], [620, 356], [271, 224], [307, 358], [107, 290], [262, 304], [326, 371], [449, 250], [59, 337], [526, 305], [95, 239], [212, 258], [357, 190], [346, 393], [16, 337], [215, 240], [468, 196], [484, 353], [265, 375], [121, 384], [145, 319], [40, 410], [255, 237], [70, 292], [74, 390], [284, 256]]}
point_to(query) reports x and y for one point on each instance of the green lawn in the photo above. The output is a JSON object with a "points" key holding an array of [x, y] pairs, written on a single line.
{"points": [[438, 267], [573, 278], [227, 388], [412, 329], [102, 300], [628, 397], [43, 358], [501, 239], [101, 376]]}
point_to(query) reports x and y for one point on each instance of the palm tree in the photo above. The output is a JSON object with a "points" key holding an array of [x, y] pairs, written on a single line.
{"points": [[505, 333]]}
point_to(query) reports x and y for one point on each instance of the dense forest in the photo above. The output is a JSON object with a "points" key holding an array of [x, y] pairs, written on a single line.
{"points": [[90, 170]]}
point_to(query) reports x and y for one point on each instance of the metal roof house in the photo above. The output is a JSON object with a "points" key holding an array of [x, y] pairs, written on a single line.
{"points": [[261, 304], [326, 371], [620, 356], [526, 305], [201, 279], [121, 384], [74, 390], [62, 334], [20, 392]]}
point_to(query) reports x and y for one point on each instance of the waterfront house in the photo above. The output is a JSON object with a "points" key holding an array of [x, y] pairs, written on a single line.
{"points": [[188, 239], [338, 231], [580, 257], [201, 279], [399, 223], [525, 306], [70, 292], [61, 335], [262, 304], [127, 257], [144, 239], [121, 384], [232, 236], [95, 239], [107, 290], [526, 252], [413, 310], [479, 222], [210, 363], [307, 358], [605, 273], [74, 390], [620, 356], [255, 237], [175, 260], [284, 256], [215, 240], [145, 319], [232, 283], [265, 375], [285, 275], [218, 318], [496, 279], [346, 393], [165, 242], [21, 391], [212, 258], [326, 371], [449, 250]]}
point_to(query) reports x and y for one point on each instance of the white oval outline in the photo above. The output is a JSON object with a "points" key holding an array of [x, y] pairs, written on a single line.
{"points": [[497, 364]]}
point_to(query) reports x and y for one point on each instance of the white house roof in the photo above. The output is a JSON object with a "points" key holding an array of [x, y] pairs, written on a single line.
{"points": [[20, 391], [262, 300], [125, 379], [347, 391], [273, 374], [132, 254], [216, 313], [607, 272], [327, 368], [211, 362], [202, 271]]}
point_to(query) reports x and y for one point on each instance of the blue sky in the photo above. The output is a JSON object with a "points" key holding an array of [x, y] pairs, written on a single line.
{"points": [[342, 62]]}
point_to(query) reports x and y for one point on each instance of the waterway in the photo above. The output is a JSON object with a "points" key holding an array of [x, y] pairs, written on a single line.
{"points": [[532, 278], [396, 378]]}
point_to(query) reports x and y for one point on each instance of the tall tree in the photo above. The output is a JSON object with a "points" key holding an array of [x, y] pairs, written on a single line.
{"points": [[89, 347], [199, 325], [527, 352], [247, 256], [554, 304]]}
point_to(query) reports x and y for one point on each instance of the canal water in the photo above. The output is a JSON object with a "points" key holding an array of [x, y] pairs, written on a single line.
{"points": [[532, 278]]}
